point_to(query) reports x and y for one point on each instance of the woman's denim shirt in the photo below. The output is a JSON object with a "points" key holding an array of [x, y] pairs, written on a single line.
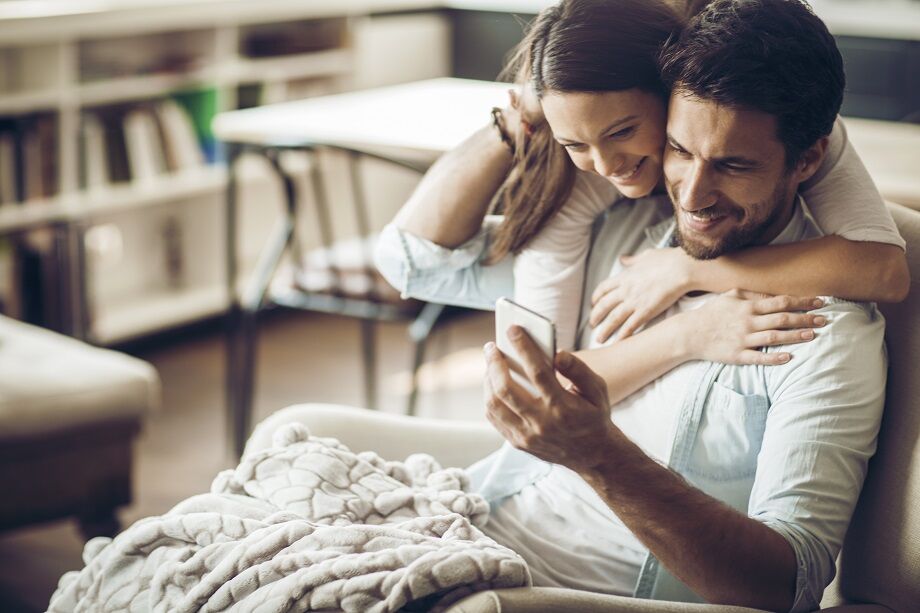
{"points": [[786, 445]]}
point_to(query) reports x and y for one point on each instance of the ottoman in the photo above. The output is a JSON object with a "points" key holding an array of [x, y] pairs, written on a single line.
{"points": [[69, 414]]}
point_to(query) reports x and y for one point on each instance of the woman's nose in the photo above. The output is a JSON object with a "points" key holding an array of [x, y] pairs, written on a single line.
{"points": [[607, 163]]}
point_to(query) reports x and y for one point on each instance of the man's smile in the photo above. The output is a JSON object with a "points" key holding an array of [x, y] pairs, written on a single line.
{"points": [[703, 222]]}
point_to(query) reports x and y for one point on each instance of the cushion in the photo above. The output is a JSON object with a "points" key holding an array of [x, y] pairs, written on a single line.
{"points": [[880, 561], [50, 382]]}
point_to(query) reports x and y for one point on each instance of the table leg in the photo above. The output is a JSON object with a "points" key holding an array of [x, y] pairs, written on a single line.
{"points": [[236, 430]]}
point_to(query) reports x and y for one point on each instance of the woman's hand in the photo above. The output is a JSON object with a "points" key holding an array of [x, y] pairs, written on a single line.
{"points": [[523, 112], [731, 327], [648, 284]]}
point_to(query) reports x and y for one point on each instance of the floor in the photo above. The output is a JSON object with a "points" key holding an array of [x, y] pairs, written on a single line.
{"points": [[302, 357]]}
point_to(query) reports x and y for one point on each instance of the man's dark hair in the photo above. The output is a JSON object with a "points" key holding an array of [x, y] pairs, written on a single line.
{"points": [[774, 56]]}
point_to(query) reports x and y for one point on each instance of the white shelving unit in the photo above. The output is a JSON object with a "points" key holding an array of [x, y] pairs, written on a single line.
{"points": [[154, 249]]}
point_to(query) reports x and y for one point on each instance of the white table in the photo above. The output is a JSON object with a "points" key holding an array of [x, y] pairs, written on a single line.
{"points": [[424, 117]]}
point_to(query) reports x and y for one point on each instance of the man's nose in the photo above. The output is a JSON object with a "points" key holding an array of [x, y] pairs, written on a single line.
{"points": [[697, 190]]}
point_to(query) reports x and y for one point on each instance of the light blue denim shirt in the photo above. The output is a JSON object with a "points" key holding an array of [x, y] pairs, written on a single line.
{"points": [[787, 445]]}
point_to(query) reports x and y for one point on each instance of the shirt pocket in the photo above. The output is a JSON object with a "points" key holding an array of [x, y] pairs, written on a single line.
{"points": [[729, 436]]}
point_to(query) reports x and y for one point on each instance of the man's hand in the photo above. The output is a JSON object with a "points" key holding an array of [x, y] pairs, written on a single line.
{"points": [[566, 424], [721, 554]]}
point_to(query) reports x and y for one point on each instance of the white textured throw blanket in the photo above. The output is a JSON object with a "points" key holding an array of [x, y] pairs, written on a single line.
{"points": [[306, 525]]}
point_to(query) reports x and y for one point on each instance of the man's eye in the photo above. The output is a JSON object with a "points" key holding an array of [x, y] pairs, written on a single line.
{"points": [[681, 152]]}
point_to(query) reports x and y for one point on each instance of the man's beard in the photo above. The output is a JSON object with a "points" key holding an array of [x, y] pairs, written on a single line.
{"points": [[761, 217]]}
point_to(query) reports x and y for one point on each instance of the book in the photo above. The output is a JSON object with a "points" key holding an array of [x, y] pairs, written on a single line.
{"points": [[142, 142], [8, 169], [94, 170], [112, 120], [180, 140], [201, 106], [46, 132], [10, 302], [31, 163]]}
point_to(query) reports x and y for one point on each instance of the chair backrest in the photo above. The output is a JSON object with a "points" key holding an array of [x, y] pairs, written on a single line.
{"points": [[343, 264], [880, 562]]}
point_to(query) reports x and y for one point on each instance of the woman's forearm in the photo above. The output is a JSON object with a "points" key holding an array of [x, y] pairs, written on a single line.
{"points": [[630, 364], [448, 206], [827, 266]]}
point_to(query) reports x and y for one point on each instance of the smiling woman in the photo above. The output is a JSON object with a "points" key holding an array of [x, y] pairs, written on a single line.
{"points": [[558, 61], [627, 152]]}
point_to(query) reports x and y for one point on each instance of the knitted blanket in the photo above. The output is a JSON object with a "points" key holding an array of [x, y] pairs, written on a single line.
{"points": [[303, 526]]}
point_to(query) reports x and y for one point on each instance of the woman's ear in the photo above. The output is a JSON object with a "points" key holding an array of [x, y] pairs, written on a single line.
{"points": [[810, 160]]}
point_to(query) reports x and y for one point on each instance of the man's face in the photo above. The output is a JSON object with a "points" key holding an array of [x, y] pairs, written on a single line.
{"points": [[725, 173]]}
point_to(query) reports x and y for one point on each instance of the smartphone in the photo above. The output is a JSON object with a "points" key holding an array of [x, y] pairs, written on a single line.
{"points": [[509, 313]]}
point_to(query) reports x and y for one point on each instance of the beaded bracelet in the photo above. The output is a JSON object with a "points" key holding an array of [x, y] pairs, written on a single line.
{"points": [[498, 123]]}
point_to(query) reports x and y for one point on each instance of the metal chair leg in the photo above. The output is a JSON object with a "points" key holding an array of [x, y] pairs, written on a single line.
{"points": [[418, 357], [248, 349], [419, 331], [232, 378], [369, 351]]}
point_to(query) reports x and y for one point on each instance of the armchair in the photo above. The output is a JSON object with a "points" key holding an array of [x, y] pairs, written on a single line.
{"points": [[880, 561]]}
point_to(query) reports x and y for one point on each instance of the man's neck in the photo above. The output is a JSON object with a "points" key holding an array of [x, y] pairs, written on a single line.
{"points": [[778, 221]]}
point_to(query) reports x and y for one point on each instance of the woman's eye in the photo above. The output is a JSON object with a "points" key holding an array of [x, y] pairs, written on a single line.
{"points": [[624, 132], [574, 147]]}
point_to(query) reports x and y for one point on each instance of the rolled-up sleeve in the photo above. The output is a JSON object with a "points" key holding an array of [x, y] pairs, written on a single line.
{"points": [[423, 270], [821, 431]]}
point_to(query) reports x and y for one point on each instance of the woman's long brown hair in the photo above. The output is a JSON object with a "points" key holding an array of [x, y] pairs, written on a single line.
{"points": [[573, 46]]}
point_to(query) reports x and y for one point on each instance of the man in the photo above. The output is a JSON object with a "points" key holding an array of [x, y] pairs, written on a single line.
{"points": [[739, 480]]}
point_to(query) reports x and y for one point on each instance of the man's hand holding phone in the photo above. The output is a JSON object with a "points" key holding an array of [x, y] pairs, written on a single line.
{"points": [[568, 425]]}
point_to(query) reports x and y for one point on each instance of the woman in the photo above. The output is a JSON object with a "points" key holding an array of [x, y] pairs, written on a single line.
{"points": [[605, 52]]}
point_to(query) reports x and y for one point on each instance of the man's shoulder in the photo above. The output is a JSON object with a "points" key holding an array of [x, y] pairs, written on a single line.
{"points": [[853, 339]]}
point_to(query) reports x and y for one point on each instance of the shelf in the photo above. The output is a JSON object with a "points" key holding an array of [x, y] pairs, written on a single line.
{"points": [[86, 205], [19, 217], [95, 93], [156, 311], [299, 66], [74, 58], [132, 196], [13, 103]]}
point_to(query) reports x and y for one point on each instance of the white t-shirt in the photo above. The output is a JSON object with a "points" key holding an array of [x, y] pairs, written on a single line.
{"points": [[549, 273]]}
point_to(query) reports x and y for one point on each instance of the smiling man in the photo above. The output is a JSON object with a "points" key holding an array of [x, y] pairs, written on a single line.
{"points": [[729, 177], [725, 483]]}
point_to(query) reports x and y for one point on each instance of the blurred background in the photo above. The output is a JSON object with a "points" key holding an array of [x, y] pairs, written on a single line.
{"points": [[113, 235]]}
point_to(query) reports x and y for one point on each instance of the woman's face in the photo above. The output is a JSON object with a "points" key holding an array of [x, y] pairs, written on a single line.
{"points": [[619, 135]]}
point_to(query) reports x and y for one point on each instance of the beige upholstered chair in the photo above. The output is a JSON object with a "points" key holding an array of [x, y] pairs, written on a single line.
{"points": [[69, 414], [880, 562]]}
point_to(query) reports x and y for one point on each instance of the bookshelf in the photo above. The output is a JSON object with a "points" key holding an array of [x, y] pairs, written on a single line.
{"points": [[99, 110]]}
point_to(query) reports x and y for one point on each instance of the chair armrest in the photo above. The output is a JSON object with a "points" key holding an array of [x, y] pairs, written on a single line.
{"points": [[393, 437], [551, 600], [858, 608]]}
